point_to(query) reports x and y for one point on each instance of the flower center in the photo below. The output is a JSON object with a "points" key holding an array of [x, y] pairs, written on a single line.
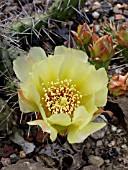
{"points": [[61, 97]]}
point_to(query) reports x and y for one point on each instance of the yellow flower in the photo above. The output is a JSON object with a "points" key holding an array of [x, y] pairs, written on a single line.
{"points": [[64, 88]]}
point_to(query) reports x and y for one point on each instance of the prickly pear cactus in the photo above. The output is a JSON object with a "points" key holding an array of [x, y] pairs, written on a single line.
{"points": [[5, 118], [5, 63], [60, 9], [6, 58], [64, 9]]}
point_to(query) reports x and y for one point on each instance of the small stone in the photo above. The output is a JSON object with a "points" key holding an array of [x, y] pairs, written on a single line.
{"points": [[119, 17], [88, 145], [111, 18], [5, 161], [119, 130], [107, 161], [124, 146], [14, 158], [112, 143], [96, 6], [26, 146], [119, 5], [120, 159], [99, 143], [96, 153], [113, 128], [95, 15], [125, 12], [117, 10], [97, 28], [101, 133], [106, 6], [22, 154], [125, 160], [110, 167], [113, 153], [95, 160]]}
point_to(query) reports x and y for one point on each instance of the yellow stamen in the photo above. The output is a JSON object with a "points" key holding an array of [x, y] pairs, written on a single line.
{"points": [[61, 97]]}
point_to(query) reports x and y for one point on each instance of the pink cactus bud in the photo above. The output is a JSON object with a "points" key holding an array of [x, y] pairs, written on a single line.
{"points": [[103, 49], [118, 85], [122, 35], [84, 35]]}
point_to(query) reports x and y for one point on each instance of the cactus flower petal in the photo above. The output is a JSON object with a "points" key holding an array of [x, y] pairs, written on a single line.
{"points": [[29, 101], [23, 65], [69, 52], [56, 119], [81, 117], [46, 128], [76, 135]]}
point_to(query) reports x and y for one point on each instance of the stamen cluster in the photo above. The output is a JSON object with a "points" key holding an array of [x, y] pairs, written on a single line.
{"points": [[61, 97]]}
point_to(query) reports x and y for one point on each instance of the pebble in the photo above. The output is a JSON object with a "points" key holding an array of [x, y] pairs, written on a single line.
{"points": [[111, 18], [95, 160], [124, 146], [119, 130], [96, 6], [101, 133], [106, 7], [119, 5], [119, 17], [22, 154], [5, 161], [126, 160], [26, 146], [113, 128], [112, 143], [120, 159], [107, 161], [97, 28], [14, 158], [111, 153], [99, 143], [110, 167], [125, 12], [117, 10], [95, 15]]}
